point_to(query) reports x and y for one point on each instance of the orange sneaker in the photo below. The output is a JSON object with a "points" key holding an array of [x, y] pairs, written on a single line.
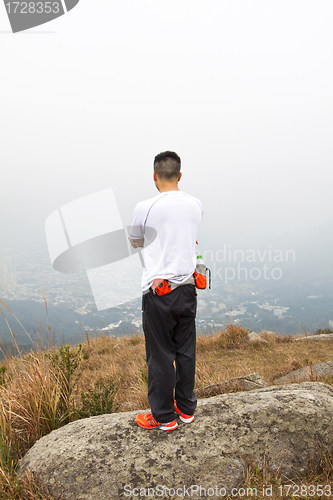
{"points": [[184, 418], [147, 421]]}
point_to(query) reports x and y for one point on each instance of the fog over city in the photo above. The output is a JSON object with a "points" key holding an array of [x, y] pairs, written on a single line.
{"points": [[241, 90]]}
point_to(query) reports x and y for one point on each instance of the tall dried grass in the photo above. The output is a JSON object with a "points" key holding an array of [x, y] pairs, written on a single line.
{"points": [[33, 389]]}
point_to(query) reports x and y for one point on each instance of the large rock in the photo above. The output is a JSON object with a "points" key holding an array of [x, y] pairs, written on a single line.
{"points": [[244, 383], [269, 334], [307, 373], [316, 338], [254, 338], [95, 458]]}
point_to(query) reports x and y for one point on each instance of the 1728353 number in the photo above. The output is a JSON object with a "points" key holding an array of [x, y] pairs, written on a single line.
{"points": [[33, 7], [304, 490]]}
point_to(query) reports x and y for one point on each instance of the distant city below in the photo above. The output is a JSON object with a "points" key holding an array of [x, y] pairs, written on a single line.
{"points": [[288, 305]]}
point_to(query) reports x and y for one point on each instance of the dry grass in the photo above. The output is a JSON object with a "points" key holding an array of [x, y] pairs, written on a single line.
{"points": [[32, 390], [273, 484], [14, 488]]}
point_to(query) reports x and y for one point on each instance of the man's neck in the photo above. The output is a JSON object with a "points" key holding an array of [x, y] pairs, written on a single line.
{"points": [[163, 189]]}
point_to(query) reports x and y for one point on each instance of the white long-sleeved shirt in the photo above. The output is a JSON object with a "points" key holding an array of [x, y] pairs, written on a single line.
{"points": [[169, 224]]}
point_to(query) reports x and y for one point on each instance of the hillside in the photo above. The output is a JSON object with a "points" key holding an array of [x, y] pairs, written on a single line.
{"points": [[107, 374]]}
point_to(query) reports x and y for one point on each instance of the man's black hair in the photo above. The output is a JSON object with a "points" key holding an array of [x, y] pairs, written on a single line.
{"points": [[167, 165]]}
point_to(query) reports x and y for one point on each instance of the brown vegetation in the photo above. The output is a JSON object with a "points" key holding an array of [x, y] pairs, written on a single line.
{"points": [[44, 390]]}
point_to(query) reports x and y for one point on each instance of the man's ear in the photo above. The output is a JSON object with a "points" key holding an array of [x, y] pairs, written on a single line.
{"points": [[154, 176], [179, 176]]}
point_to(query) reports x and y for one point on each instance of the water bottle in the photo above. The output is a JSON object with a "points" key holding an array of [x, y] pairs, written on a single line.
{"points": [[200, 267], [200, 274]]}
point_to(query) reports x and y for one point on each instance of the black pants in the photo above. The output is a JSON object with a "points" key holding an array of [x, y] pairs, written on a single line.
{"points": [[169, 327]]}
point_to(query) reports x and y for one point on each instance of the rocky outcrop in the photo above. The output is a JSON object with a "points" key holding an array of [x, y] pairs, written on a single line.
{"points": [[316, 338], [253, 338], [101, 458], [307, 373], [245, 383], [269, 333]]}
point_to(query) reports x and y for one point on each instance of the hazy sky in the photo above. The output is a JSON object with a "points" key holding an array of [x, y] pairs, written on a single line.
{"points": [[242, 90]]}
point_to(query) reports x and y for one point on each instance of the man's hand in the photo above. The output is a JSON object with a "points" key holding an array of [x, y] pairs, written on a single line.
{"points": [[137, 243]]}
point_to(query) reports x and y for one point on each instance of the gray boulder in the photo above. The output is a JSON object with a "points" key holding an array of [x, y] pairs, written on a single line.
{"points": [[307, 373], [253, 338], [104, 457], [245, 383], [269, 334], [316, 338]]}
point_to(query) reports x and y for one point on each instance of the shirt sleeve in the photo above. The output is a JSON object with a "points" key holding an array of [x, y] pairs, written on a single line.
{"points": [[137, 230], [200, 204]]}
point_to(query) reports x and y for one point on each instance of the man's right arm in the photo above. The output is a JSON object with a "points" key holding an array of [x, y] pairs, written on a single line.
{"points": [[136, 234], [137, 243]]}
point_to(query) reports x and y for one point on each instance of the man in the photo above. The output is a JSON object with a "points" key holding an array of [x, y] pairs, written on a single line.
{"points": [[167, 227]]}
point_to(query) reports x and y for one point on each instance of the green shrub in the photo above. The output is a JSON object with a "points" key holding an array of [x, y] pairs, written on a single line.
{"points": [[2, 374], [144, 374], [233, 337], [6, 458], [99, 400], [323, 331], [67, 363]]}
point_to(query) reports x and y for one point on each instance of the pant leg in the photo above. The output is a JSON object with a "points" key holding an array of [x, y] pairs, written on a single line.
{"points": [[158, 326], [169, 328], [185, 343]]}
